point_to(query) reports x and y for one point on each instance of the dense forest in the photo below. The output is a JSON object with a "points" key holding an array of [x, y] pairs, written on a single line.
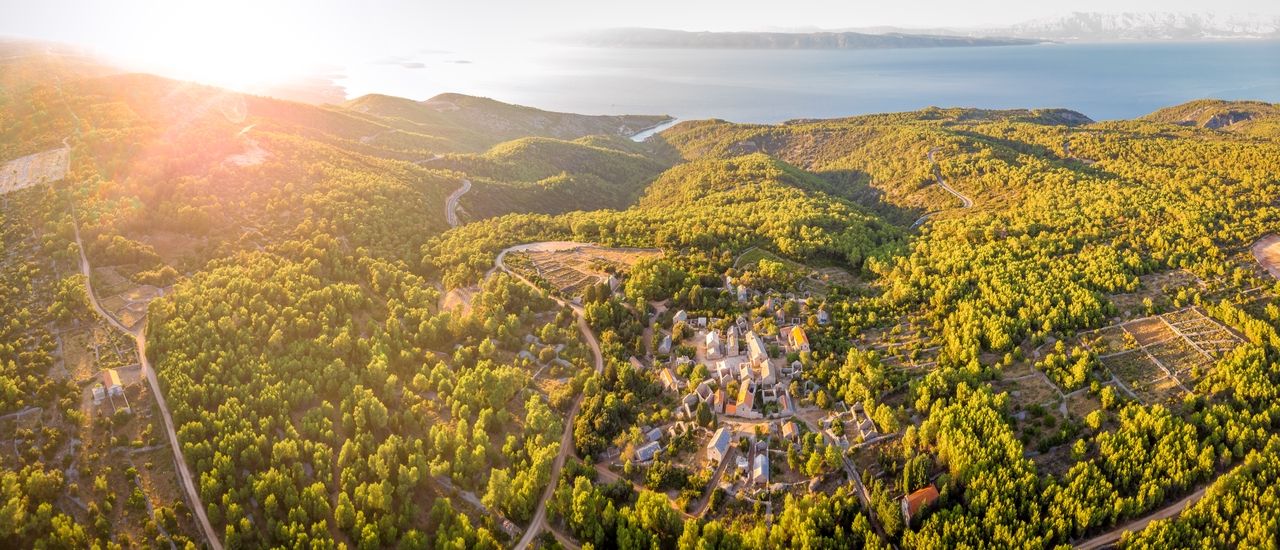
{"points": [[1090, 341]]}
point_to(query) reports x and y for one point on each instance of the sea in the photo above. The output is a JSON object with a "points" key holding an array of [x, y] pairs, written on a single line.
{"points": [[1103, 81]]}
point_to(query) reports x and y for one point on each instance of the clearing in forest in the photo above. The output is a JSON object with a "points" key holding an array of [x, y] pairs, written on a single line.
{"points": [[1174, 350], [1267, 252], [570, 270], [44, 167]]}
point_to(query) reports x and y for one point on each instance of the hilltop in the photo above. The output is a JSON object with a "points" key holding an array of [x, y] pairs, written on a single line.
{"points": [[479, 122], [1254, 117]]}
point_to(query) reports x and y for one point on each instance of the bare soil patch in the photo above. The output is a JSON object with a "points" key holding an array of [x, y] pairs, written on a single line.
{"points": [[1267, 252]]}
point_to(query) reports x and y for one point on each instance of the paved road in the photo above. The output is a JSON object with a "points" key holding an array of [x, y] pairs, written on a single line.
{"points": [[539, 521], [140, 339], [451, 205], [965, 201], [1109, 538]]}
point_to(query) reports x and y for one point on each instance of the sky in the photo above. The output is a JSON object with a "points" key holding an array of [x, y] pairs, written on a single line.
{"points": [[234, 42]]}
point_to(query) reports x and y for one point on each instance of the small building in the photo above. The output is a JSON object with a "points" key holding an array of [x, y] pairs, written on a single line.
{"points": [[768, 374], [718, 447], [668, 380], [756, 351], [913, 503], [785, 406], [635, 363], [111, 382], [743, 295], [713, 344], [648, 451], [760, 474], [654, 435], [98, 394], [704, 391], [680, 316], [798, 339], [742, 463], [718, 401], [745, 407], [665, 346], [790, 432], [731, 348]]}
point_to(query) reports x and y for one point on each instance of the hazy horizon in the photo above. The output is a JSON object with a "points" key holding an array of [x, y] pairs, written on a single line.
{"points": [[242, 44]]}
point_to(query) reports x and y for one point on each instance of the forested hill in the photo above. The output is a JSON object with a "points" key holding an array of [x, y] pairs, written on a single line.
{"points": [[1252, 117], [481, 122]]}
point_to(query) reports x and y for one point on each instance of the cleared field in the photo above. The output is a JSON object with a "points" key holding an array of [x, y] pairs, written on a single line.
{"points": [[1177, 355], [1165, 391], [1109, 340], [45, 167], [1082, 403], [1149, 331], [570, 270], [1028, 390], [1133, 368], [1267, 252]]}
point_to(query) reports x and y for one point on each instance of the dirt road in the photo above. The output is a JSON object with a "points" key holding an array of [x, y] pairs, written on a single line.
{"points": [[1109, 538], [539, 521], [140, 339]]}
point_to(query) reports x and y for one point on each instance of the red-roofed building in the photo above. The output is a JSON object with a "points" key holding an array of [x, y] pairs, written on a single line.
{"points": [[914, 502]]}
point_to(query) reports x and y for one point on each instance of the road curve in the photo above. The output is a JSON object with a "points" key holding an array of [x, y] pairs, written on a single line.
{"points": [[451, 204], [539, 521], [140, 340], [965, 201]]}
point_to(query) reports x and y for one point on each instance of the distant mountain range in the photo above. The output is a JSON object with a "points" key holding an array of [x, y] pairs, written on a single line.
{"points": [[1078, 26], [1145, 26], [843, 40]]}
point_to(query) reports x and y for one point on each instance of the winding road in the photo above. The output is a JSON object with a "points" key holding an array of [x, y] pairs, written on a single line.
{"points": [[965, 201], [451, 204], [539, 522], [140, 339]]}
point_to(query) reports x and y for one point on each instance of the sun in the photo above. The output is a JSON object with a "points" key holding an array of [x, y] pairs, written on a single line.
{"points": [[233, 44]]}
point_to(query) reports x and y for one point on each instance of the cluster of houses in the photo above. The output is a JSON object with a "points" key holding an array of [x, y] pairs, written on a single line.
{"points": [[755, 469], [752, 373]]}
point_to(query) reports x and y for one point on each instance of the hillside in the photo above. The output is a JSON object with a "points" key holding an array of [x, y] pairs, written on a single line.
{"points": [[552, 176], [478, 123], [1248, 117]]}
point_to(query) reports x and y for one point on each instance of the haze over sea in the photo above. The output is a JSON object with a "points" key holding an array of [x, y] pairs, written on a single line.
{"points": [[1103, 81]]}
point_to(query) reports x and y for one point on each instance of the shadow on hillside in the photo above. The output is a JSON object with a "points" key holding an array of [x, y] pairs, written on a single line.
{"points": [[1073, 164], [855, 185], [661, 150]]}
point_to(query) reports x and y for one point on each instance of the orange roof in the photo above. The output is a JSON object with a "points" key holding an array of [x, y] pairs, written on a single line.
{"points": [[110, 378], [921, 498], [746, 396], [798, 336]]}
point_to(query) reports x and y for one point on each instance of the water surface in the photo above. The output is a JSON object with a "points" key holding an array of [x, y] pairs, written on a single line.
{"points": [[1103, 81]]}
